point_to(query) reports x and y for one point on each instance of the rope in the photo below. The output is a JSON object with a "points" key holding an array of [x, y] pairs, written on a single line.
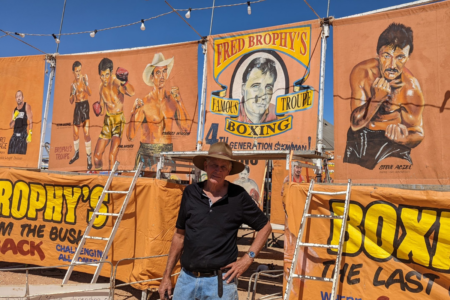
{"points": [[138, 22]]}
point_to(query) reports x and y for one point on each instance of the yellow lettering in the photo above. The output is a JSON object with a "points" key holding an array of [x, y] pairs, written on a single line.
{"points": [[37, 200], [19, 204], [72, 196], [54, 203], [380, 225], [100, 221], [355, 213], [441, 259], [5, 197], [414, 241]]}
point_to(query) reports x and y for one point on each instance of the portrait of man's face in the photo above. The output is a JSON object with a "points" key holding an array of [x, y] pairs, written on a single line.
{"points": [[105, 77], [257, 91], [159, 76], [392, 61], [77, 72], [297, 170], [19, 98], [244, 175]]}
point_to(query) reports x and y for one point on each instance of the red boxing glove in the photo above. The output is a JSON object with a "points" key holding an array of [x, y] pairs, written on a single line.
{"points": [[254, 194], [97, 108], [122, 74]]}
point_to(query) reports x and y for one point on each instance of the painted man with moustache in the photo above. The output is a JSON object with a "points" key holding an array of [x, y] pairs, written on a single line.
{"points": [[387, 103]]}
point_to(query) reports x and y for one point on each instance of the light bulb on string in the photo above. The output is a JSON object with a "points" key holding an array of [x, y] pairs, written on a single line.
{"points": [[56, 39], [142, 25], [249, 9], [188, 14], [92, 34], [22, 35]]}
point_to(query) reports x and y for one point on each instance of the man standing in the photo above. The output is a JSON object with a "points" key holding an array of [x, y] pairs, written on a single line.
{"points": [[112, 91], [257, 89], [157, 112], [387, 103], [210, 215], [248, 184], [296, 175], [79, 92], [21, 118]]}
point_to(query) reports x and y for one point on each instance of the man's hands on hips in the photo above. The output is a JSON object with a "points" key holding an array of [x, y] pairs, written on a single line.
{"points": [[165, 286], [237, 268]]}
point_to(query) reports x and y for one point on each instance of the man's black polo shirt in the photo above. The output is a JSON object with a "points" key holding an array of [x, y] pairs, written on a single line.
{"points": [[211, 232]]}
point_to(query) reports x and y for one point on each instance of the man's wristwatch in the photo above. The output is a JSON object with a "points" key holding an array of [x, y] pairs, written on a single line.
{"points": [[251, 254]]}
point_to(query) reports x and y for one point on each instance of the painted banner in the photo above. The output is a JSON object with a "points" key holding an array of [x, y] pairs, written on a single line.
{"points": [[251, 179], [391, 96], [280, 179], [396, 246], [262, 87], [22, 89], [126, 105], [43, 217]]}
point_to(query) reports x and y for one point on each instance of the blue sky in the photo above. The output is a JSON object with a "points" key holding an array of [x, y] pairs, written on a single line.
{"points": [[87, 15]]}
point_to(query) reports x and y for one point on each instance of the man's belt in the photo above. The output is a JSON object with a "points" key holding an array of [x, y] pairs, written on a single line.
{"points": [[213, 273], [18, 134]]}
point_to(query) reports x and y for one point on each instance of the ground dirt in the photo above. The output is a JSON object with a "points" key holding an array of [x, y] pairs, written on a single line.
{"points": [[273, 254]]}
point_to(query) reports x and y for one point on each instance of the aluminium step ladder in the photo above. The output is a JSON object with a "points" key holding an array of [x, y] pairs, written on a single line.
{"points": [[96, 213], [306, 214]]}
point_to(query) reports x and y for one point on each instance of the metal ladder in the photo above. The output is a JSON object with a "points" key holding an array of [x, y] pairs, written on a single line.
{"points": [[338, 247], [96, 213]]}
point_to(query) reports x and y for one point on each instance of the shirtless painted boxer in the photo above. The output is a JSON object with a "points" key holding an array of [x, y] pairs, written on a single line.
{"points": [[387, 103], [157, 112], [248, 184], [79, 93], [112, 91]]}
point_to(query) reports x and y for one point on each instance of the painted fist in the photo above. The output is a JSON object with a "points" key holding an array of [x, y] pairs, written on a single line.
{"points": [[122, 74], [29, 136], [96, 107], [138, 103], [85, 80], [74, 89]]}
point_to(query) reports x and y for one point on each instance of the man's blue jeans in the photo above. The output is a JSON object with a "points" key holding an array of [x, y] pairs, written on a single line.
{"points": [[189, 287]]}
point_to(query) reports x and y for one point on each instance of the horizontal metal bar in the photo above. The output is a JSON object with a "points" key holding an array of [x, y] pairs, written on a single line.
{"points": [[81, 263], [328, 193], [319, 245], [168, 162], [323, 216], [96, 238], [125, 171], [106, 214], [312, 278], [116, 192]]}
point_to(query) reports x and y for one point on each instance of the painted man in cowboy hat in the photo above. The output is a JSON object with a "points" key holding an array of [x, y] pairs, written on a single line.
{"points": [[210, 215], [156, 113]]}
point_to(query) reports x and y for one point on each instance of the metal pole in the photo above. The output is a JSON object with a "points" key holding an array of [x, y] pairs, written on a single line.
{"points": [[51, 60], [60, 26], [201, 122], [319, 143]]}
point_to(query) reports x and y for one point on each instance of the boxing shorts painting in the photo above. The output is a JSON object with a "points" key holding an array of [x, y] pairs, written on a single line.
{"points": [[367, 148], [113, 125], [81, 112], [148, 154], [18, 143]]}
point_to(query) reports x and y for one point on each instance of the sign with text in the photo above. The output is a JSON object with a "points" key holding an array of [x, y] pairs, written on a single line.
{"points": [[262, 87], [391, 97], [396, 244], [125, 106], [22, 89], [43, 217]]}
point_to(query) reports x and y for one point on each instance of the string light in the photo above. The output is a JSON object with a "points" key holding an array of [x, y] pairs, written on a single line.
{"points": [[56, 39], [22, 35], [188, 14], [92, 33], [142, 25]]}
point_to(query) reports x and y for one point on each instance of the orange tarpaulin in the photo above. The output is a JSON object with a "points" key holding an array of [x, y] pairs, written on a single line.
{"points": [[43, 217], [18, 147], [396, 244]]}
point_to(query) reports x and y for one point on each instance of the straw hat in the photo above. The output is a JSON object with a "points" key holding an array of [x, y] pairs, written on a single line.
{"points": [[219, 150], [158, 61]]}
